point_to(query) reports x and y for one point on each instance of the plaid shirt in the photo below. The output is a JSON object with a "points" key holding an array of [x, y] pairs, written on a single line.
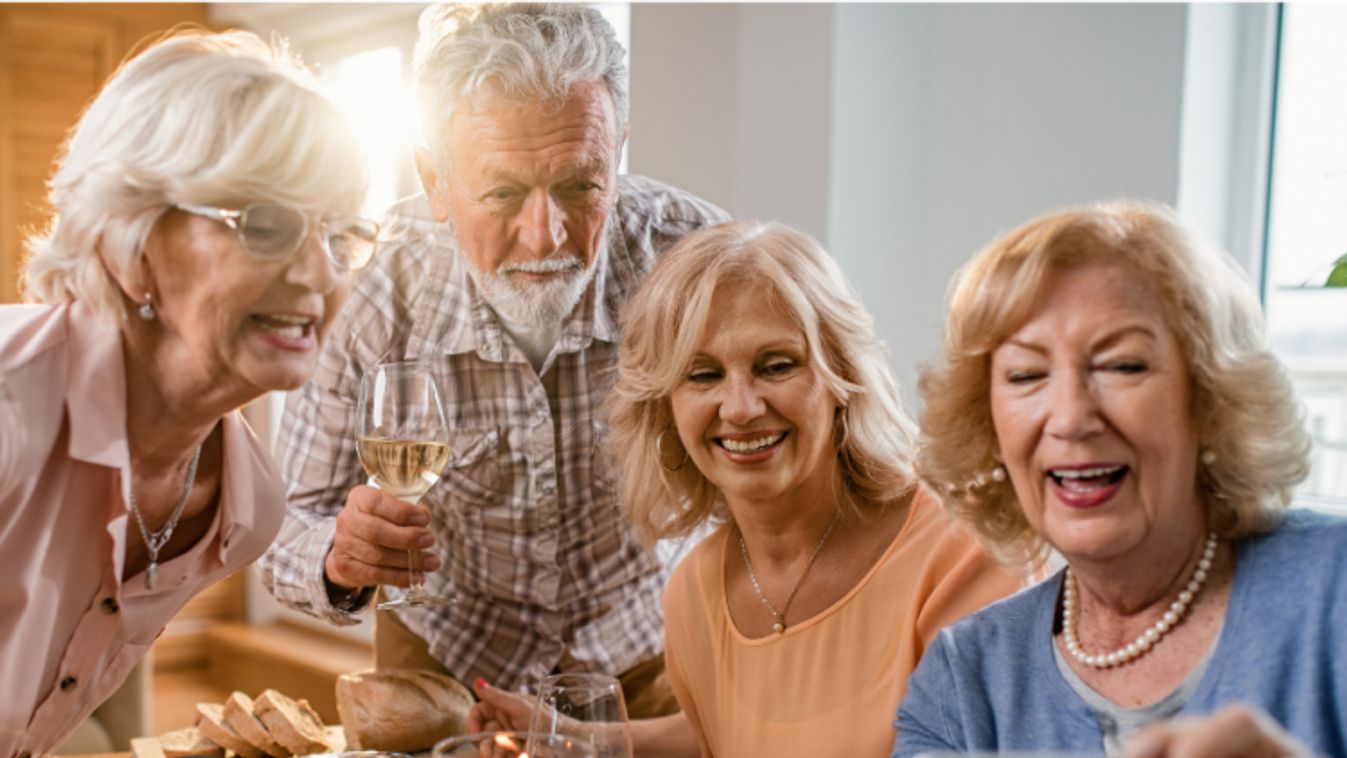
{"points": [[549, 573]]}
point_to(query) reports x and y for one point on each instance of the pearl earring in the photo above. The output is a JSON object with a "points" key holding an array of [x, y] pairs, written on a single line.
{"points": [[999, 474], [146, 310], [1208, 457]]}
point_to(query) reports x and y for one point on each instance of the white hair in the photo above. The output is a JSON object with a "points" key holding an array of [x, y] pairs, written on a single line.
{"points": [[210, 119], [519, 51]]}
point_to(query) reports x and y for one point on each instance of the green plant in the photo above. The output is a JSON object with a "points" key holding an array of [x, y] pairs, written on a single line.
{"points": [[1338, 276]]}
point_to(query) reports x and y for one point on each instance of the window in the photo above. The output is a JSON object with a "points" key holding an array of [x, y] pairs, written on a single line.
{"points": [[1307, 231]]}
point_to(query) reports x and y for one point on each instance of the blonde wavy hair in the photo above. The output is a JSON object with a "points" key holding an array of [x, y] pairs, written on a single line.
{"points": [[663, 327], [1243, 405], [197, 117]]}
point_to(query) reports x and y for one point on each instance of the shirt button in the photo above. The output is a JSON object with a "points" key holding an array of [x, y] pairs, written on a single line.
{"points": [[546, 489], [68, 683], [110, 605]]}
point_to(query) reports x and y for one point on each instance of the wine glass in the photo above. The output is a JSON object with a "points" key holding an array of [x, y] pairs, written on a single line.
{"points": [[583, 712], [403, 443], [509, 744]]}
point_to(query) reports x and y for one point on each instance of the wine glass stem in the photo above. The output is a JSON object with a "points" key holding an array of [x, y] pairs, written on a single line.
{"points": [[417, 588]]}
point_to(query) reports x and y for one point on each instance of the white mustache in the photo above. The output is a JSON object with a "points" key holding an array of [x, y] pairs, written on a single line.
{"points": [[544, 266]]}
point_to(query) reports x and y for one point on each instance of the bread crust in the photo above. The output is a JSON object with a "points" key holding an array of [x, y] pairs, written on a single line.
{"points": [[403, 710], [241, 714], [292, 723], [211, 722], [180, 743]]}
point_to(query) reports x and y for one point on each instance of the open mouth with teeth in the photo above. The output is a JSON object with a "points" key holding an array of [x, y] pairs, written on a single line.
{"points": [[752, 445], [1087, 479], [291, 327]]}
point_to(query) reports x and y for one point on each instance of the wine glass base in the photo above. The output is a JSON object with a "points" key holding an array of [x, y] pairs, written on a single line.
{"points": [[417, 602]]}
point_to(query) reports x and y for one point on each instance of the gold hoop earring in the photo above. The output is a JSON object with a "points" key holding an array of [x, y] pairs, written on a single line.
{"points": [[659, 451]]}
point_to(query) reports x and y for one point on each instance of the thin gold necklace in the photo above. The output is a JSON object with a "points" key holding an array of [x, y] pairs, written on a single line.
{"points": [[779, 622]]}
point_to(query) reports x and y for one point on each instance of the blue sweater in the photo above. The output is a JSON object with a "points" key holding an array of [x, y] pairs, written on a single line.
{"points": [[990, 683]]}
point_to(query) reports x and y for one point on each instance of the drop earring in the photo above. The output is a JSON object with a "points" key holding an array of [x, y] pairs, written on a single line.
{"points": [[146, 309]]}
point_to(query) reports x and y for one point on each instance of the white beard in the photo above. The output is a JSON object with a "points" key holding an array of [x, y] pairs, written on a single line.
{"points": [[543, 303], [535, 303]]}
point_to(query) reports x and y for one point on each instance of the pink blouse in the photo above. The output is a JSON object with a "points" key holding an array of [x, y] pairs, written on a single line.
{"points": [[70, 629]]}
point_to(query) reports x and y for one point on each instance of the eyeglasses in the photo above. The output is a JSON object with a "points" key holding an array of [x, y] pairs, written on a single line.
{"points": [[275, 232]]}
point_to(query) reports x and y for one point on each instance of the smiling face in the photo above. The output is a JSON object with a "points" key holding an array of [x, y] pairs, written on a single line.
{"points": [[1091, 403], [232, 318], [529, 194], [753, 413]]}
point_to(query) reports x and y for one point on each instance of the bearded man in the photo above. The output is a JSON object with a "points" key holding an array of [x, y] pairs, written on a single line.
{"points": [[505, 277]]}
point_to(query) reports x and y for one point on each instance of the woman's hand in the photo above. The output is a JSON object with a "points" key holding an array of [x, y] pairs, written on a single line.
{"points": [[374, 532], [1236, 731], [498, 710]]}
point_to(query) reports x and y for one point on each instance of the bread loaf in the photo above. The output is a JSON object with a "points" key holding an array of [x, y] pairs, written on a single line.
{"points": [[241, 714], [211, 722], [292, 723], [404, 710], [187, 741]]}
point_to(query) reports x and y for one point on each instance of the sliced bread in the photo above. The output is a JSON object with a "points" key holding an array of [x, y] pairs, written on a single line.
{"points": [[292, 723], [241, 714], [181, 743], [211, 722], [405, 710]]}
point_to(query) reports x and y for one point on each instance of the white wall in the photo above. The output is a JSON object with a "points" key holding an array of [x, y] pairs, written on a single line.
{"points": [[989, 116], [731, 101], [907, 136]]}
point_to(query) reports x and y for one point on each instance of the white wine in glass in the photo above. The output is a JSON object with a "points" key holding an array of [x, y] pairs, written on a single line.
{"points": [[403, 443]]}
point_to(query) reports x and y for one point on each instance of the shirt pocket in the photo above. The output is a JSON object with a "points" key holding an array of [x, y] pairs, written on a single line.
{"points": [[471, 479]]}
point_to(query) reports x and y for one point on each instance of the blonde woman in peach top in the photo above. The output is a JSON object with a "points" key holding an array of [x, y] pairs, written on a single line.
{"points": [[753, 394]]}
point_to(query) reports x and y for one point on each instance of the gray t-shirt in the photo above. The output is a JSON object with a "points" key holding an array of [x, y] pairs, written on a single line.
{"points": [[1117, 722]]}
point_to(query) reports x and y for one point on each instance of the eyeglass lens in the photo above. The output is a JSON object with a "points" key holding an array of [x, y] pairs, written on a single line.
{"points": [[276, 231]]}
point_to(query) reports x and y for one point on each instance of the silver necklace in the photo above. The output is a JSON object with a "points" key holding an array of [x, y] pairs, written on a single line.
{"points": [[779, 622], [1142, 644], [155, 542]]}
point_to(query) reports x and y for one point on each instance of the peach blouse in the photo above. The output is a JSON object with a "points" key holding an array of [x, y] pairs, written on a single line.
{"points": [[829, 685]]}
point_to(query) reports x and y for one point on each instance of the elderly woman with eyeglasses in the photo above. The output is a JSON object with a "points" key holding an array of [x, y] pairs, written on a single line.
{"points": [[1107, 392], [201, 244]]}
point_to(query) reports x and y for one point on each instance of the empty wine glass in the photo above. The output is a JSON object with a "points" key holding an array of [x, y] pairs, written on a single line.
{"points": [[580, 712], [403, 443]]}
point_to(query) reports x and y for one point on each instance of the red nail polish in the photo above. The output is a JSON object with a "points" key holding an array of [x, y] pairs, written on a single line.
{"points": [[478, 683]]}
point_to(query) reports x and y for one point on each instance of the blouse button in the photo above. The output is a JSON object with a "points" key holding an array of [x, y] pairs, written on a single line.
{"points": [[110, 605], [68, 683]]}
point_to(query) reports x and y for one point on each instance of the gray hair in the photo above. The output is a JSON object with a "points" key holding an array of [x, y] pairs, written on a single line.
{"points": [[520, 51], [211, 119]]}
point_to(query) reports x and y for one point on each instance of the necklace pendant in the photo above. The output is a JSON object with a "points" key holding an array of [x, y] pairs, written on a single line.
{"points": [[151, 575], [779, 626]]}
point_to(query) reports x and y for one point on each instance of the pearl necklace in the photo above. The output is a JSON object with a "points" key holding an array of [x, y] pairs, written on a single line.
{"points": [[779, 624], [1142, 644]]}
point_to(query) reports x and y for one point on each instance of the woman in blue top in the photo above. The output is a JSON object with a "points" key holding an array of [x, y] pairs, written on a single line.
{"points": [[1107, 392]]}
